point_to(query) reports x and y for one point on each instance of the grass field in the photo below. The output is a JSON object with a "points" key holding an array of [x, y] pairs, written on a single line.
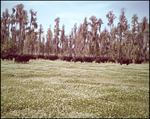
{"points": [[44, 88]]}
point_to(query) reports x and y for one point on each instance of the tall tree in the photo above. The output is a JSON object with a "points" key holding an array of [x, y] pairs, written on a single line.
{"points": [[14, 28], [115, 43], [74, 39], [141, 39], [111, 18], [122, 27], [7, 23], [70, 43], [40, 32], [49, 44], [134, 24], [104, 43], [79, 41], [62, 39], [3, 30], [24, 25], [56, 34], [93, 33], [146, 43], [31, 29], [12, 18], [21, 18], [84, 34], [43, 42]]}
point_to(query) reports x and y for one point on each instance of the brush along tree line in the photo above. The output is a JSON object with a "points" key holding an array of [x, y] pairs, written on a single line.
{"points": [[87, 42]]}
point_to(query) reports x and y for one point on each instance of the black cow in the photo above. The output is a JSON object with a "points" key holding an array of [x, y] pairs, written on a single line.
{"points": [[63, 58], [15, 55], [75, 59], [111, 60], [97, 60], [124, 61], [137, 61], [40, 56], [52, 57], [105, 59], [4, 56], [33, 57], [101, 59], [46, 57], [22, 58], [68, 58], [7, 56], [88, 59], [10, 57]]}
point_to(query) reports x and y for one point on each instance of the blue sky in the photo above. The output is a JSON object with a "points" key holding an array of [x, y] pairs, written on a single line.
{"points": [[71, 12]]}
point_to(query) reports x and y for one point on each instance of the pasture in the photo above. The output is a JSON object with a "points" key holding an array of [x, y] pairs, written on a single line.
{"points": [[45, 88]]}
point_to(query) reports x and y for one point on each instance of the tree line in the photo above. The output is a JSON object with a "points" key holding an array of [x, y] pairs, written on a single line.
{"points": [[21, 35]]}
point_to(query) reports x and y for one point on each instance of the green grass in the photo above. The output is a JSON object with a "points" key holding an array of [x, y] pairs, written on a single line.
{"points": [[44, 88]]}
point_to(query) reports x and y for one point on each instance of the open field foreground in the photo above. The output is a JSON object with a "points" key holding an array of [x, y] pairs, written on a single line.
{"points": [[44, 88]]}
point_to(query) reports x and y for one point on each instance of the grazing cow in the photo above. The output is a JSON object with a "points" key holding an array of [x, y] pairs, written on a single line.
{"points": [[124, 61], [111, 60], [118, 60], [51, 57], [33, 57], [105, 59], [40, 56], [88, 59], [46, 57], [75, 59], [22, 58], [137, 61], [10, 57], [147, 59], [97, 60], [14, 55], [63, 58], [100, 59], [6, 56], [68, 58]]}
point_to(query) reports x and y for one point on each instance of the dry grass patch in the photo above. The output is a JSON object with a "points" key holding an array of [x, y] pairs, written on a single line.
{"points": [[106, 80], [51, 89]]}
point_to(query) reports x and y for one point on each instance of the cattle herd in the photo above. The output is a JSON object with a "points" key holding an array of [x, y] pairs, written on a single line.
{"points": [[26, 58]]}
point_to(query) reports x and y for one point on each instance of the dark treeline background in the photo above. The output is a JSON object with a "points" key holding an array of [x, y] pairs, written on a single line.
{"points": [[20, 35]]}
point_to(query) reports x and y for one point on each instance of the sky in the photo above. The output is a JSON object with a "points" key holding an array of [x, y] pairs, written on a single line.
{"points": [[71, 12]]}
